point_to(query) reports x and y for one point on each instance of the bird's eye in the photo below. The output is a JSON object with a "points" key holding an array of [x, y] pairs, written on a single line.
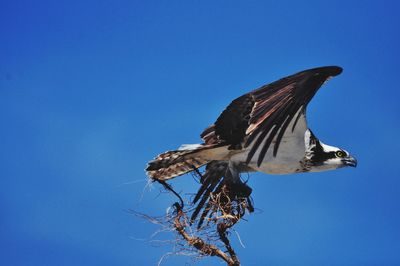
{"points": [[340, 154]]}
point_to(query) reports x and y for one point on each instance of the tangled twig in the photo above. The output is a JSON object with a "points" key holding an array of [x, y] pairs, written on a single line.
{"points": [[203, 247], [221, 203]]}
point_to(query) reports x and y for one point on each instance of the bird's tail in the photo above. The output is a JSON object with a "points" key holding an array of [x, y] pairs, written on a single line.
{"points": [[175, 163]]}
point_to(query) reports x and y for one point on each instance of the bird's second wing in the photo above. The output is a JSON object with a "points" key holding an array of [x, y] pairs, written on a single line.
{"points": [[230, 127]]}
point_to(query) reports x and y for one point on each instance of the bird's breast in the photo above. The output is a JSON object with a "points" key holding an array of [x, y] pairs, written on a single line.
{"points": [[289, 156], [287, 161]]}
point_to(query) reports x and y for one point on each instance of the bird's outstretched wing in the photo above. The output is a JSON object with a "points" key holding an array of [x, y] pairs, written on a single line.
{"points": [[263, 115]]}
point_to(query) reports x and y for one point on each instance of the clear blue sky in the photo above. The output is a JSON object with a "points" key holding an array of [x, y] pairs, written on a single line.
{"points": [[91, 90]]}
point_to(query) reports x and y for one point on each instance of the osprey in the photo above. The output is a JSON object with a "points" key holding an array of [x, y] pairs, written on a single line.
{"points": [[264, 130]]}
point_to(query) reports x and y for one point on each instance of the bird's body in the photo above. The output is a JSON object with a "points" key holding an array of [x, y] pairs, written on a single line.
{"points": [[287, 160], [264, 130]]}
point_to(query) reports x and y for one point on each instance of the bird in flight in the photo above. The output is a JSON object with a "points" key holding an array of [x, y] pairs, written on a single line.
{"points": [[264, 130]]}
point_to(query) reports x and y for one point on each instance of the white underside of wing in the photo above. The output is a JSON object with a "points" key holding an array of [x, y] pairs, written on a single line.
{"points": [[291, 151]]}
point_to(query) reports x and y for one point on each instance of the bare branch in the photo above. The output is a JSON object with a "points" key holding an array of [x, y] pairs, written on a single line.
{"points": [[223, 204]]}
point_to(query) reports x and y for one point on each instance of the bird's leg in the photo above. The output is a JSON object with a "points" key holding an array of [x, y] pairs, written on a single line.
{"points": [[232, 176], [232, 172]]}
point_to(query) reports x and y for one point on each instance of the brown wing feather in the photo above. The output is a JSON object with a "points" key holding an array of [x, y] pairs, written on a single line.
{"points": [[269, 109], [277, 104], [230, 127]]}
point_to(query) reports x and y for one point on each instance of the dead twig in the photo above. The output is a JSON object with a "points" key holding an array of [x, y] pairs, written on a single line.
{"points": [[200, 244], [221, 204]]}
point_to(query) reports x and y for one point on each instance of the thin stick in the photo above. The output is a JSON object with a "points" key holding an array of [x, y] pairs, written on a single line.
{"points": [[201, 245]]}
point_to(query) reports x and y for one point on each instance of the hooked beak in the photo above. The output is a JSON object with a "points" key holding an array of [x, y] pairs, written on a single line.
{"points": [[350, 161]]}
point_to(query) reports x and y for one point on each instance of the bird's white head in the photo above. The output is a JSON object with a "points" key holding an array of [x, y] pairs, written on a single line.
{"points": [[322, 157]]}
